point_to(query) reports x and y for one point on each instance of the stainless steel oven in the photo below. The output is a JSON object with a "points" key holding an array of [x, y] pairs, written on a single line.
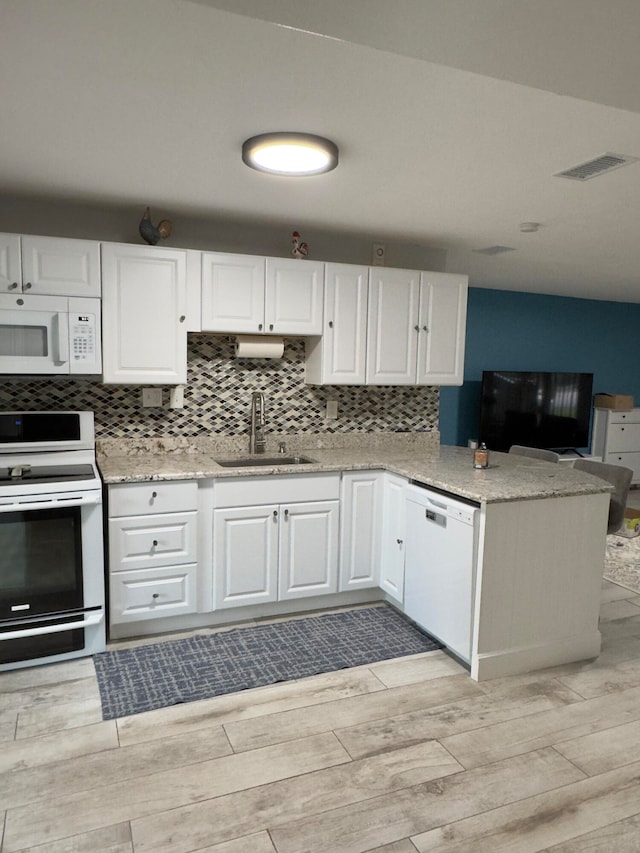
{"points": [[51, 539]]}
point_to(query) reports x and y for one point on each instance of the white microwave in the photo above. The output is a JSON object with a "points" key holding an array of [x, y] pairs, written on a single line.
{"points": [[50, 334]]}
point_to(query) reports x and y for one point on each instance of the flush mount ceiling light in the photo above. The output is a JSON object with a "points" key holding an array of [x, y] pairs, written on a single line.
{"points": [[290, 153]]}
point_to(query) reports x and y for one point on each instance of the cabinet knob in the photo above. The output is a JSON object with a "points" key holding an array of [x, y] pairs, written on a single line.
{"points": [[286, 514], [425, 328], [182, 318], [154, 495], [271, 327], [417, 328], [331, 324], [27, 286], [155, 543], [399, 541], [275, 513], [259, 327], [13, 285], [156, 595]]}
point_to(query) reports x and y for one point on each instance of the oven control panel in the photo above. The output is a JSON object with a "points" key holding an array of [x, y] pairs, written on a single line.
{"points": [[83, 337]]}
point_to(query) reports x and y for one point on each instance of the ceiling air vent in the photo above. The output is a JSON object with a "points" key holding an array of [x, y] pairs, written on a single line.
{"points": [[597, 166], [494, 250]]}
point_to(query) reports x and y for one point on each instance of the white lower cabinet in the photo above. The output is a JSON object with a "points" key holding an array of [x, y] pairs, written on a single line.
{"points": [[360, 529], [284, 549], [392, 548], [152, 550]]}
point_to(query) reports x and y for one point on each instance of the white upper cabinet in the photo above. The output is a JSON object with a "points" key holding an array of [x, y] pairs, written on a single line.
{"points": [[338, 357], [144, 314], [293, 296], [443, 318], [52, 266], [392, 336], [248, 294], [232, 293]]}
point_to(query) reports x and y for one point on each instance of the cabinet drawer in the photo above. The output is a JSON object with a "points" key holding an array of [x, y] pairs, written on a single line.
{"points": [[629, 460], [629, 417], [152, 593], [155, 540], [153, 497], [255, 491], [622, 437]]}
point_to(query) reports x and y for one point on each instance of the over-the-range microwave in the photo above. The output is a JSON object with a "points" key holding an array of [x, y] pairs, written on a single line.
{"points": [[50, 334]]}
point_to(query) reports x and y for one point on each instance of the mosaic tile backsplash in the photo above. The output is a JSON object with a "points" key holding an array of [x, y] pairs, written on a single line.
{"points": [[218, 394]]}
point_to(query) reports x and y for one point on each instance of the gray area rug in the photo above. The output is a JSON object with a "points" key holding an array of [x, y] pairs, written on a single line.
{"points": [[176, 671], [622, 561]]}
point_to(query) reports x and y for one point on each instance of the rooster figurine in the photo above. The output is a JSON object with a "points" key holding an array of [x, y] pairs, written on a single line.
{"points": [[151, 233], [300, 249]]}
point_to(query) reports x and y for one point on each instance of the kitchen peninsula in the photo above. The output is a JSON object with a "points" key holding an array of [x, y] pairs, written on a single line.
{"points": [[539, 553]]}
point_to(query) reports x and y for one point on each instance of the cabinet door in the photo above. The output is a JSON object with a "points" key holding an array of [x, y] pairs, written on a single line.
{"points": [[308, 549], [360, 530], [392, 336], [393, 537], [293, 304], [59, 267], [232, 293], [10, 264], [245, 543], [339, 357], [443, 318], [143, 315]]}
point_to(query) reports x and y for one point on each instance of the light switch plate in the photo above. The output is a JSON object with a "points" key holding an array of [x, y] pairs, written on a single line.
{"points": [[152, 397]]}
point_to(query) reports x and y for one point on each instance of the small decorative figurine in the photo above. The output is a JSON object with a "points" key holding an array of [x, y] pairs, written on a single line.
{"points": [[151, 233], [300, 249]]}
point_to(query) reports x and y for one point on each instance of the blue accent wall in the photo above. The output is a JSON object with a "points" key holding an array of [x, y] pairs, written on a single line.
{"points": [[510, 330]]}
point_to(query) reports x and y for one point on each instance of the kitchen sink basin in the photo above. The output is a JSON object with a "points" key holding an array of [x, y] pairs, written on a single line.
{"points": [[264, 461]]}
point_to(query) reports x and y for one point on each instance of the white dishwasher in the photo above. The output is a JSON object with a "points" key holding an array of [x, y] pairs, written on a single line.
{"points": [[440, 557]]}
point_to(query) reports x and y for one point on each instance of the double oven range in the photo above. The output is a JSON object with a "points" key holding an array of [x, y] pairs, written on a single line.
{"points": [[51, 539]]}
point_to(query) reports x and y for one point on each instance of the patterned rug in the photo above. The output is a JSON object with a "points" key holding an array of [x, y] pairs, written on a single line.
{"points": [[176, 671], [622, 561]]}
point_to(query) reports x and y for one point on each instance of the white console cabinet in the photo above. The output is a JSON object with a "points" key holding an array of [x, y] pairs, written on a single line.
{"points": [[616, 438]]}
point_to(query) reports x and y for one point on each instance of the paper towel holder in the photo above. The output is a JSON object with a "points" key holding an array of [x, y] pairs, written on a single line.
{"points": [[258, 346]]}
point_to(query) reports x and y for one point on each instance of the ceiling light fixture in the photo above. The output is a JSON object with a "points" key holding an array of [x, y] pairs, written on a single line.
{"points": [[290, 153]]}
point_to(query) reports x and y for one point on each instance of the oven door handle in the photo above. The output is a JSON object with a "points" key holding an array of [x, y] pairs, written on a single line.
{"points": [[91, 620], [53, 502]]}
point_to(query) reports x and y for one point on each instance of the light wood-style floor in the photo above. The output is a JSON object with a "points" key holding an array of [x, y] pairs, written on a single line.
{"points": [[402, 756]]}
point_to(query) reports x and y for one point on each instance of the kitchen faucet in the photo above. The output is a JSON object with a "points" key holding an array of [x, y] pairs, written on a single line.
{"points": [[258, 442]]}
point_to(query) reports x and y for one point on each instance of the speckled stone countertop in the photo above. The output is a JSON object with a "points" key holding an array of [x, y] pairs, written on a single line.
{"points": [[416, 456]]}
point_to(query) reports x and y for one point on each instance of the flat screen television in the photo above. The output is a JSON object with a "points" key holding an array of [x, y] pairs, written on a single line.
{"points": [[550, 410]]}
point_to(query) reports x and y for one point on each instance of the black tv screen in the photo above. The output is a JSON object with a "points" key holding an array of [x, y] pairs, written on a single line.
{"points": [[550, 410]]}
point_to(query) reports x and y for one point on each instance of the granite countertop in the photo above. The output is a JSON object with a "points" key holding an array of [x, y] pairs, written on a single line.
{"points": [[416, 456]]}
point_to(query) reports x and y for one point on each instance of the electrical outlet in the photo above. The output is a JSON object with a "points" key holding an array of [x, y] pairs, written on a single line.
{"points": [[378, 255], [332, 410], [176, 397], [152, 398]]}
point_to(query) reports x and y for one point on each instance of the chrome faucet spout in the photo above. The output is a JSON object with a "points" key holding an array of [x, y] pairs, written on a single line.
{"points": [[258, 442]]}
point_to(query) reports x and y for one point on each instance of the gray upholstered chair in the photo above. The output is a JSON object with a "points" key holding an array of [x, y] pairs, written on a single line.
{"points": [[618, 476], [535, 453]]}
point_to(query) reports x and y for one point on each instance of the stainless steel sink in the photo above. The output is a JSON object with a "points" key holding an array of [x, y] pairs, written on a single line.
{"points": [[264, 461]]}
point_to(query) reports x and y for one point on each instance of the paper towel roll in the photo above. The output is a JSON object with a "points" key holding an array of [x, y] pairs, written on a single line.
{"points": [[259, 346]]}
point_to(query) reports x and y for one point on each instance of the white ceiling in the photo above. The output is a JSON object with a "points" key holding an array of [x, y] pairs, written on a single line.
{"points": [[452, 117]]}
